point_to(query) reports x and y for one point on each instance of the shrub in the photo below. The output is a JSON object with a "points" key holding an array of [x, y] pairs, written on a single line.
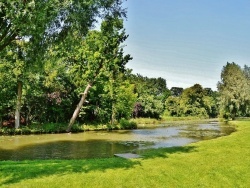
{"points": [[77, 128], [126, 124]]}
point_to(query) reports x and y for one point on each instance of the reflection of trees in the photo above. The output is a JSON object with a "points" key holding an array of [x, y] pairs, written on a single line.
{"points": [[66, 150]]}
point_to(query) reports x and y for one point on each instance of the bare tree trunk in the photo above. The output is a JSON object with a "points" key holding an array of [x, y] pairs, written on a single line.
{"points": [[18, 104], [78, 107]]}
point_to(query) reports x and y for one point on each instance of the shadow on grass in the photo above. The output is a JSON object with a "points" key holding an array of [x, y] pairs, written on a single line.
{"points": [[14, 172], [165, 152], [68, 159], [60, 157]]}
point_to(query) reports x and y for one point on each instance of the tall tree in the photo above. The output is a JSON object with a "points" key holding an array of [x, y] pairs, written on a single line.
{"points": [[152, 93], [30, 28], [176, 91], [194, 101], [24, 29], [191, 101], [101, 57], [246, 71], [234, 91], [7, 90], [22, 19]]}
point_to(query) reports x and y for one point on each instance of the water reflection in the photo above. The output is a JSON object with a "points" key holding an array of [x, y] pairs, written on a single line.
{"points": [[104, 144]]}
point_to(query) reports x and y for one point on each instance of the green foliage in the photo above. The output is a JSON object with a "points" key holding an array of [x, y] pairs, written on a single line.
{"points": [[246, 71], [152, 92], [43, 52], [101, 64], [234, 90], [191, 102], [125, 100], [46, 128], [7, 89], [172, 106], [20, 19], [126, 124], [194, 101], [176, 91]]}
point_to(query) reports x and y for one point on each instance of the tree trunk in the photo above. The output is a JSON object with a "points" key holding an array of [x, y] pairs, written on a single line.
{"points": [[1, 121], [233, 115], [113, 114], [78, 107], [18, 104]]}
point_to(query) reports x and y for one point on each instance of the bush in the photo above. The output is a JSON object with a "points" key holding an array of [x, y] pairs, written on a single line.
{"points": [[126, 124], [77, 128], [24, 130]]}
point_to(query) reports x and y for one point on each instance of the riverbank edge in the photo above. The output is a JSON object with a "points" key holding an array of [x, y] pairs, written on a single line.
{"points": [[139, 123]]}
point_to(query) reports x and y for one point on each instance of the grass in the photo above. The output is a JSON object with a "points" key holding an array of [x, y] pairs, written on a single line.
{"points": [[185, 118], [48, 128], [146, 122], [170, 121], [221, 162]]}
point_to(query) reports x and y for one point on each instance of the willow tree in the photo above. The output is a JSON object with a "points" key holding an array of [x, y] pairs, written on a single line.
{"points": [[234, 91], [100, 58]]}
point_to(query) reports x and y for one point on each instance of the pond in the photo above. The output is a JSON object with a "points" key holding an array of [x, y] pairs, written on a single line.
{"points": [[100, 144]]}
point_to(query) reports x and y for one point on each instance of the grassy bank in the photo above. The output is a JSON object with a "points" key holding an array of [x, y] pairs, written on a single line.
{"points": [[221, 162], [170, 121], [53, 128]]}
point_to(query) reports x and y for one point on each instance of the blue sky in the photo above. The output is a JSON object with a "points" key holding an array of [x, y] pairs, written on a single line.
{"points": [[187, 41]]}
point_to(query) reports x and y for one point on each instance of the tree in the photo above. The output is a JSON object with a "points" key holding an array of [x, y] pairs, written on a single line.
{"points": [[7, 91], [234, 91], [109, 101], [191, 102], [29, 29], [25, 27], [125, 100], [21, 19], [101, 57], [152, 93], [176, 91], [194, 101], [172, 106], [246, 71], [51, 20]]}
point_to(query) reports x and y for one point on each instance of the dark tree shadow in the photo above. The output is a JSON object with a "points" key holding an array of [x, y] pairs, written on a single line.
{"points": [[15, 171], [60, 157]]}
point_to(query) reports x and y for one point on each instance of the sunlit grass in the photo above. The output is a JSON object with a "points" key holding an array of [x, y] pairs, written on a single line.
{"points": [[221, 162], [146, 122]]}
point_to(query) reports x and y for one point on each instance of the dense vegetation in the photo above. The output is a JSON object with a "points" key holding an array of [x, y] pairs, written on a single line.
{"points": [[234, 89], [56, 68]]}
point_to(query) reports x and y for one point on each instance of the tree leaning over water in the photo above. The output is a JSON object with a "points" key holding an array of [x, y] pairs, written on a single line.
{"points": [[101, 58]]}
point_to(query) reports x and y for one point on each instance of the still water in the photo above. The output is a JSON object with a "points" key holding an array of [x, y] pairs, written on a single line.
{"points": [[105, 144]]}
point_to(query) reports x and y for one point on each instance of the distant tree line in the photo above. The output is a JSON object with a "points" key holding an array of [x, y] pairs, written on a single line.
{"points": [[193, 101]]}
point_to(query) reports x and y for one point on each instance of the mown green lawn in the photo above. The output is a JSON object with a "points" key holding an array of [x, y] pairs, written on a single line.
{"points": [[221, 162]]}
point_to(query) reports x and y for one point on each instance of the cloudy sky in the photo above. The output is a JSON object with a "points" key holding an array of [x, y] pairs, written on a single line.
{"points": [[187, 41]]}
